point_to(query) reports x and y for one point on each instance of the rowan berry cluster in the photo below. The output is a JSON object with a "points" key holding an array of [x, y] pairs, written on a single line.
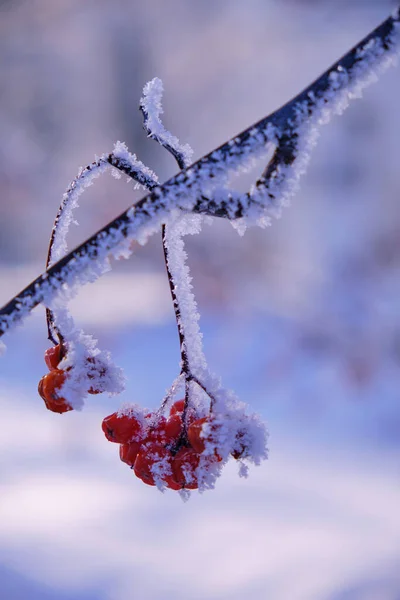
{"points": [[161, 450], [51, 383]]}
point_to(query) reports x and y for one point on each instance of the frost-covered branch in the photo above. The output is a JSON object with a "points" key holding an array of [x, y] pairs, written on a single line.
{"points": [[151, 108], [121, 160], [203, 187]]}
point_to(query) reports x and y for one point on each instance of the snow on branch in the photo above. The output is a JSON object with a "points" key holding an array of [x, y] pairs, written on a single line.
{"points": [[185, 306], [203, 187], [151, 107], [121, 159]]}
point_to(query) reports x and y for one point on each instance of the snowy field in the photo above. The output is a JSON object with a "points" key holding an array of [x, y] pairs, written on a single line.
{"points": [[301, 320]]}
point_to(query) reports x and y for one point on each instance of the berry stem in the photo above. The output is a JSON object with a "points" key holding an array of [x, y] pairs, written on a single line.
{"points": [[185, 369], [150, 106], [170, 394], [52, 329], [203, 387]]}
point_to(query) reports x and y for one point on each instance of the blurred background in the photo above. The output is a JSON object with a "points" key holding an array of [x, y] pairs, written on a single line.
{"points": [[301, 320]]}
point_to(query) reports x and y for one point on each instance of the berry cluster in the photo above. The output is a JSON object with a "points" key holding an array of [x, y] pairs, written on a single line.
{"points": [[160, 449], [176, 451], [52, 382]]}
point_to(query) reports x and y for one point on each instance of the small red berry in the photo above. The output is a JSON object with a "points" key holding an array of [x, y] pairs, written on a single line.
{"points": [[129, 452], [93, 391], [52, 357], [142, 469], [47, 388], [177, 407], [184, 467], [157, 430], [121, 429], [171, 483], [173, 427], [147, 456], [196, 440], [40, 388], [165, 431]]}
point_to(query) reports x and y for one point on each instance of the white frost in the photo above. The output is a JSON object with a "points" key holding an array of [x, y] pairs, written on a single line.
{"points": [[70, 203], [87, 367], [189, 315], [147, 175], [151, 104]]}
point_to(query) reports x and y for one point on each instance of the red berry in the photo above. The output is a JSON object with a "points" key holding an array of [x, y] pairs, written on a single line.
{"points": [[184, 467], [147, 456], [129, 452], [171, 483], [47, 388], [157, 430], [93, 391], [196, 440], [121, 429], [52, 357], [142, 468], [40, 388], [177, 407], [165, 431], [173, 427]]}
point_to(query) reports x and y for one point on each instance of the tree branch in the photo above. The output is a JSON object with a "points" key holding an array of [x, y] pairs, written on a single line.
{"points": [[198, 187]]}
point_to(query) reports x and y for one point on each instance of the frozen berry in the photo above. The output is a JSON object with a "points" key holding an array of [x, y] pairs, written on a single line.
{"points": [[177, 407], [173, 427], [142, 468], [129, 452], [157, 429], [148, 455], [170, 482], [166, 431], [52, 357], [48, 389], [121, 429], [94, 391], [184, 466], [195, 436]]}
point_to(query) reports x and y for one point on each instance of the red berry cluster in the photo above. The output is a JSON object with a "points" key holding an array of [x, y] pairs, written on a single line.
{"points": [[165, 447], [53, 381]]}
